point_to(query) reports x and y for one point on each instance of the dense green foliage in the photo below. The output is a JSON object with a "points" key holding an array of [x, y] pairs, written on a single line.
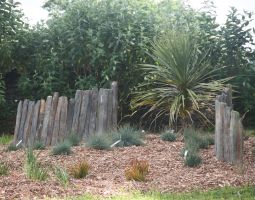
{"points": [[181, 85], [86, 44]]}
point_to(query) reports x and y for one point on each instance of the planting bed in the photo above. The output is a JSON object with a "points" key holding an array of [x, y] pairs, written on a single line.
{"points": [[106, 176]]}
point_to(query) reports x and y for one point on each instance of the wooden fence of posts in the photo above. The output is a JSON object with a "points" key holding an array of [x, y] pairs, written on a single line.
{"points": [[228, 130], [51, 121]]}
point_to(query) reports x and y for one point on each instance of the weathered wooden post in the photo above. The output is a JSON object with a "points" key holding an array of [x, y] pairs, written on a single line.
{"points": [[228, 129]]}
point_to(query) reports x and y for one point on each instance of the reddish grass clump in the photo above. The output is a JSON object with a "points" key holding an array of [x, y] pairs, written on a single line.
{"points": [[137, 170], [80, 170]]}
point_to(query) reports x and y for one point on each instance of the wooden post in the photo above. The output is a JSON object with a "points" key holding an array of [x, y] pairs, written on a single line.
{"points": [[46, 120], [70, 114], [228, 130], [40, 120], [102, 111], [63, 118], [77, 109], [93, 112], [18, 118], [114, 88], [55, 135], [23, 120], [28, 123], [53, 109], [35, 116]]}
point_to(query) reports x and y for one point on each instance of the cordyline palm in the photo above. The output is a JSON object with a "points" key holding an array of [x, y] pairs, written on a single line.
{"points": [[181, 84]]}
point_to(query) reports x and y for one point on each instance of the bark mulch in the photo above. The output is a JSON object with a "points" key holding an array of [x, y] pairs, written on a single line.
{"points": [[106, 176]]}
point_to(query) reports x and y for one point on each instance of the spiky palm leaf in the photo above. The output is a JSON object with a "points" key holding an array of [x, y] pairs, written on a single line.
{"points": [[181, 84]]}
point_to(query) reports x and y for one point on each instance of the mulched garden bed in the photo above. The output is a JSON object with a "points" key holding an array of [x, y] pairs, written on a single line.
{"points": [[106, 176]]}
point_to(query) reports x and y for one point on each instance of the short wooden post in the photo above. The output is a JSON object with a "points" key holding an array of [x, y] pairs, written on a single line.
{"points": [[46, 119]]}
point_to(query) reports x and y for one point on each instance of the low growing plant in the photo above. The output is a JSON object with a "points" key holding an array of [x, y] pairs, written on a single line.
{"points": [[63, 148], [73, 139], [80, 170], [5, 139], [33, 169], [137, 170], [99, 142], [61, 175], [4, 169], [168, 136], [128, 136], [192, 159], [39, 145], [13, 147]]}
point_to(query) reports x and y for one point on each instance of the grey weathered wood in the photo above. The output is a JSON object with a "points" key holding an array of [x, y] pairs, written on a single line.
{"points": [[18, 119], [46, 119], [28, 123], [228, 130], [23, 120], [93, 112], [53, 109], [84, 115], [40, 120], [77, 109], [114, 88], [70, 113], [55, 135], [102, 111], [63, 118], [109, 110], [219, 123], [35, 115], [236, 138], [226, 133]]}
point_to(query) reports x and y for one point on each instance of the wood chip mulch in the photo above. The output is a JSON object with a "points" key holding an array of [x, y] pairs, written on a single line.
{"points": [[106, 176]]}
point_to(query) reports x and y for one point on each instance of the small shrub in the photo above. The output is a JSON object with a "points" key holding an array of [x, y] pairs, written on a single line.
{"points": [[73, 139], [33, 169], [62, 175], [5, 139], [192, 160], [80, 170], [128, 135], [39, 145], [203, 143], [99, 142], [13, 147], [3, 169], [137, 170], [168, 136], [63, 148]]}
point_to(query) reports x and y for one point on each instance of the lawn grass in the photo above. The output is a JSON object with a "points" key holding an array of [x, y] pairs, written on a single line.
{"points": [[231, 193], [5, 139]]}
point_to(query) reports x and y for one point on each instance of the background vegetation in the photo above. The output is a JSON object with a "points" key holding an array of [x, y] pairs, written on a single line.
{"points": [[86, 44]]}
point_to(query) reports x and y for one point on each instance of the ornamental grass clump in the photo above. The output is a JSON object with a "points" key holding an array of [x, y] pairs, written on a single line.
{"points": [[61, 175], [80, 170], [168, 136], [63, 148], [128, 136], [99, 142], [33, 169], [13, 147], [137, 170], [73, 139], [39, 145], [192, 159]]}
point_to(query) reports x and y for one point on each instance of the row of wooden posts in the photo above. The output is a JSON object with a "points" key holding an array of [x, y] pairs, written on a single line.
{"points": [[51, 121], [228, 130]]}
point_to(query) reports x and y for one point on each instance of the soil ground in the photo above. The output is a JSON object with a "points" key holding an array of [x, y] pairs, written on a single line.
{"points": [[106, 176]]}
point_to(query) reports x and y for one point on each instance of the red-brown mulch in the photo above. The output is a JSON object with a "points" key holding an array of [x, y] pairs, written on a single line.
{"points": [[106, 176]]}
